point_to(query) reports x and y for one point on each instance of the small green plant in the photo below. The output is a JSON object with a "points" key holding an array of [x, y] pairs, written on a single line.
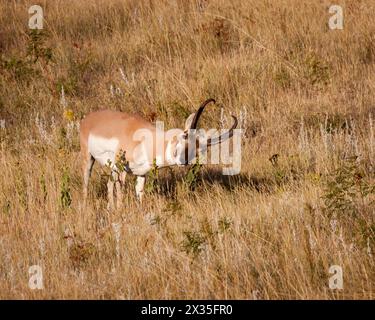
{"points": [[191, 178], [162, 111], [291, 168], [80, 253], [316, 70], [43, 187], [6, 208], [194, 241], [121, 164], [282, 78], [69, 84], [17, 68], [19, 187], [279, 173], [179, 111], [65, 196], [225, 224], [156, 221], [22, 68], [173, 208], [36, 49], [62, 140], [329, 122], [152, 179], [366, 51]]}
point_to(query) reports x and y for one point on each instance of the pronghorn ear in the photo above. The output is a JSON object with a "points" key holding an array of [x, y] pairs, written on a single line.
{"points": [[188, 121]]}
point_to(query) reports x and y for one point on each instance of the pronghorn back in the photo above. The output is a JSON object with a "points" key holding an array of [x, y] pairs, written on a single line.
{"points": [[111, 131]]}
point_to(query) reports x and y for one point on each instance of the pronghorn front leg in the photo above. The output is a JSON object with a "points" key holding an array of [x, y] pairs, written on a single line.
{"points": [[88, 163], [139, 187]]}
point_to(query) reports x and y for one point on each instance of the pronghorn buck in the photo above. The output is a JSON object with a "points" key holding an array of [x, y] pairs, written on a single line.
{"points": [[107, 135]]}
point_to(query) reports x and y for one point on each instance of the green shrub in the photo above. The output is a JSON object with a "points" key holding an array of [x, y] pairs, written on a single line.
{"points": [[316, 70], [191, 178], [347, 188], [193, 243]]}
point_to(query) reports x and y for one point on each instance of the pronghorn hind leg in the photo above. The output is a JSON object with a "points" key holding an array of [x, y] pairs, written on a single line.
{"points": [[110, 185], [119, 183], [88, 163], [139, 187]]}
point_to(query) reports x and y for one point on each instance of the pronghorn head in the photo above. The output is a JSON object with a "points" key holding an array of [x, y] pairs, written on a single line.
{"points": [[191, 142]]}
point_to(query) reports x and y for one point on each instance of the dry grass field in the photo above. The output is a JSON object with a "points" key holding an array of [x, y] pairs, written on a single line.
{"points": [[303, 201]]}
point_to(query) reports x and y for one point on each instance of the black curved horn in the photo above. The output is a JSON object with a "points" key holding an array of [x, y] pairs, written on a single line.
{"points": [[199, 113], [226, 135]]}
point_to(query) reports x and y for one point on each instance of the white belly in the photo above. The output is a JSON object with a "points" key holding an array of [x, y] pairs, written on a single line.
{"points": [[103, 149]]}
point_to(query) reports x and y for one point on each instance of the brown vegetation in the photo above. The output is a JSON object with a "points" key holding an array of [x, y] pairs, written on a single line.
{"points": [[304, 199]]}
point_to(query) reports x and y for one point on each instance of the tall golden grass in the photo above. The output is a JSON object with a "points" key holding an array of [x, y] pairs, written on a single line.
{"points": [[304, 199]]}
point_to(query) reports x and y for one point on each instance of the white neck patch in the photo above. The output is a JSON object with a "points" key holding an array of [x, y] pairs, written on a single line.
{"points": [[169, 159]]}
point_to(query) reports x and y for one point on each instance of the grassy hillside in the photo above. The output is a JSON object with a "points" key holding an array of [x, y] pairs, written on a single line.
{"points": [[304, 199]]}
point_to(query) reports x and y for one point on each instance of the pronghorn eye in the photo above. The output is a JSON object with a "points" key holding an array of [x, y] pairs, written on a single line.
{"points": [[185, 135]]}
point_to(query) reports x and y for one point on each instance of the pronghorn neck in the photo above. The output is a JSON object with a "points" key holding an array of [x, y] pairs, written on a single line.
{"points": [[170, 160], [164, 154]]}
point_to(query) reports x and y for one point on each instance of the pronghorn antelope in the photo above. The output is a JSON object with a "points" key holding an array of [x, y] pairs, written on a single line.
{"points": [[105, 133]]}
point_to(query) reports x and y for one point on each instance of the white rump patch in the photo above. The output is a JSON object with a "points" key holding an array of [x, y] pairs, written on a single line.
{"points": [[103, 149]]}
